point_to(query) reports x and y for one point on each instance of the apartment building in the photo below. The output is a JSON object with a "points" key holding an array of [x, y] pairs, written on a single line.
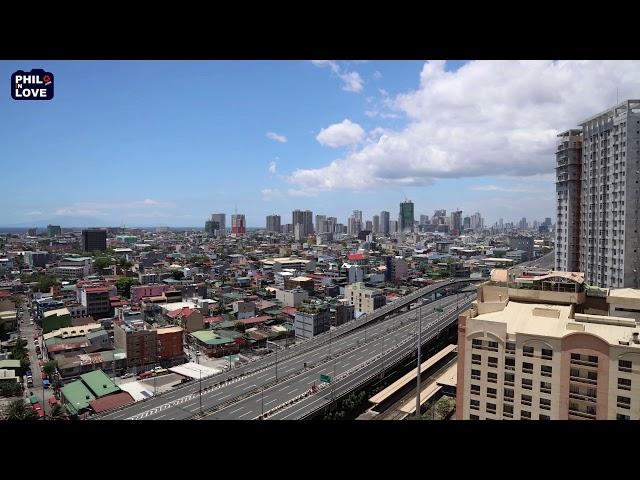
{"points": [[609, 206], [140, 344], [312, 319], [548, 347], [364, 299]]}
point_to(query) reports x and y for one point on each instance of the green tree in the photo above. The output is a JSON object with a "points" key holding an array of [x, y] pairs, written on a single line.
{"points": [[19, 410], [11, 389], [102, 262], [50, 367], [241, 327], [178, 275], [124, 285], [57, 412]]}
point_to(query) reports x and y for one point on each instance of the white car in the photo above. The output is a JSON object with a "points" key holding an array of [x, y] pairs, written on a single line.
{"points": [[127, 375]]}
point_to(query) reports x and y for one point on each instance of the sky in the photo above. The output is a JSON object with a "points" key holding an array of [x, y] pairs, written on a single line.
{"points": [[148, 143]]}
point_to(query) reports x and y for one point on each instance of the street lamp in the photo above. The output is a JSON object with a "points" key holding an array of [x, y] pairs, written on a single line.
{"points": [[419, 353]]}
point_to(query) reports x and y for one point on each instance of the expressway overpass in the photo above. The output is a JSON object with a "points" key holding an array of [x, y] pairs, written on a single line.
{"points": [[221, 391]]}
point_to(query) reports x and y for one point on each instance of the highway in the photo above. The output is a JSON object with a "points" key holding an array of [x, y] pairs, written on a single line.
{"points": [[182, 399], [185, 402], [358, 362]]}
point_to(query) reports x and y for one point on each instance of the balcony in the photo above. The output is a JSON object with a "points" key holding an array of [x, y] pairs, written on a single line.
{"points": [[624, 387], [580, 415], [545, 390], [475, 377], [509, 383], [493, 365], [510, 367], [527, 370], [626, 406], [587, 381], [508, 399], [583, 397], [492, 380]]}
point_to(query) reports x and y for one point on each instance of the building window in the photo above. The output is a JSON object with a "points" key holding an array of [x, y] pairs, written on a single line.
{"points": [[474, 417], [526, 400], [493, 362], [525, 415], [475, 389], [491, 408], [545, 387], [493, 346], [527, 383], [507, 409], [475, 405], [511, 348], [476, 343], [492, 393], [620, 416], [508, 394], [544, 417], [545, 370], [624, 383], [527, 367], [593, 359], [624, 402], [527, 351], [509, 363], [545, 404], [547, 354], [492, 377], [475, 374], [476, 359], [509, 378], [624, 365]]}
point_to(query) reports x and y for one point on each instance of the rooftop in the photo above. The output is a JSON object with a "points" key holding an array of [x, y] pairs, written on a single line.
{"points": [[99, 383]]}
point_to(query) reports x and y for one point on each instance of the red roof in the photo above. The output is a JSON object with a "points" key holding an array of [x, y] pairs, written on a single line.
{"points": [[96, 290], [181, 312], [4, 293], [355, 256], [110, 402], [289, 310], [61, 347], [255, 320], [214, 319]]}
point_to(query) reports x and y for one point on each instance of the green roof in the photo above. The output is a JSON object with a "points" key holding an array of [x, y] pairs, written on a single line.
{"points": [[99, 383], [9, 363], [211, 338], [77, 396]]}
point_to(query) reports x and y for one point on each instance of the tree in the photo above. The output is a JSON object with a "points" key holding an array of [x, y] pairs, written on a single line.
{"points": [[178, 275], [19, 410], [444, 406], [124, 285], [57, 412], [241, 327], [11, 389], [50, 367], [102, 262]]}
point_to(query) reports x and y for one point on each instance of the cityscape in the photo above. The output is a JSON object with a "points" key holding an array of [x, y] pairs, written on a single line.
{"points": [[419, 275]]}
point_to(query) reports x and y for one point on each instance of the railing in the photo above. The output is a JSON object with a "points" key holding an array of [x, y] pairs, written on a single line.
{"points": [[588, 381], [584, 363], [578, 413], [583, 397]]}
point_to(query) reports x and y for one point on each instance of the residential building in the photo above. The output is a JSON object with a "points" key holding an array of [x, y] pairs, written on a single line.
{"points": [[523, 243], [94, 239], [170, 344], [344, 313], [54, 230], [273, 223], [549, 347], [312, 319], [96, 299], [139, 292], [292, 298], [396, 268], [319, 220], [238, 224], [384, 223], [364, 299], [456, 223], [140, 344], [376, 224], [36, 259], [219, 225]]}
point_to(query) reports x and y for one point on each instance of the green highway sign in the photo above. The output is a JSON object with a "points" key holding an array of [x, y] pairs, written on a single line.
{"points": [[325, 378]]}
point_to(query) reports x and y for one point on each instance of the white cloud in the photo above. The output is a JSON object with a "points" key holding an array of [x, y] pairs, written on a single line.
{"points": [[377, 75], [487, 118], [514, 189], [277, 137], [270, 194], [351, 81], [98, 208], [341, 134], [272, 167], [149, 202], [34, 212]]}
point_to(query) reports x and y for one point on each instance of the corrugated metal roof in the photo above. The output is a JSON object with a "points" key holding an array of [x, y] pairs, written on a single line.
{"points": [[110, 402]]}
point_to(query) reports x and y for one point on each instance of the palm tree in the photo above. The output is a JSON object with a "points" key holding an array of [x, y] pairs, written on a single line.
{"points": [[19, 410], [57, 412]]}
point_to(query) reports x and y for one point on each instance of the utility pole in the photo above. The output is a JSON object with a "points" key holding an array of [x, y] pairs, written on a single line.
{"points": [[200, 390], [418, 369]]}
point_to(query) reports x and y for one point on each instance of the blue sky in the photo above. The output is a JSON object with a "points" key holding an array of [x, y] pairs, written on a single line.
{"points": [[168, 143]]}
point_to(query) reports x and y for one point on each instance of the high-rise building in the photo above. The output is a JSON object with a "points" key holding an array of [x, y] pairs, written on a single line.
{"points": [[54, 230], [238, 224], [610, 199], [477, 222], [94, 239], [32, 232], [466, 223], [376, 224], [406, 217], [368, 225], [357, 214], [220, 220], [522, 224], [319, 220], [393, 226], [304, 218], [547, 221], [547, 348], [273, 223], [424, 219], [384, 222], [456, 222], [332, 223], [354, 226]]}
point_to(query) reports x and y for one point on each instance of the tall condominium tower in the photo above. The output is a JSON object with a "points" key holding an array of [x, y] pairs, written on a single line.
{"points": [[238, 224], [376, 224], [568, 192], [273, 223], [384, 222], [406, 217], [456, 222], [221, 220], [319, 220]]}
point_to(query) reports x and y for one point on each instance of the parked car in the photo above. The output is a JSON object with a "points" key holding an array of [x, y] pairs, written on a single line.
{"points": [[127, 375]]}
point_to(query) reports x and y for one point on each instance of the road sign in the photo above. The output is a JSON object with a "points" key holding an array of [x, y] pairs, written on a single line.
{"points": [[325, 378], [439, 310]]}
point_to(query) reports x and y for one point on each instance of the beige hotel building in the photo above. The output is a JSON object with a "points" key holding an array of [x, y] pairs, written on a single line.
{"points": [[543, 345]]}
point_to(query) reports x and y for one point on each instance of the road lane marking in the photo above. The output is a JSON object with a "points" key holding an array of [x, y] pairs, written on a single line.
{"points": [[244, 414]]}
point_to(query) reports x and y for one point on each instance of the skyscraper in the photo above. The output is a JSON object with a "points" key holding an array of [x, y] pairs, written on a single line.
{"points": [[456, 222], [376, 224], [406, 217], [319, 220], [424, 219], [273, 223], [238, 224], [384, 222], [219, 224], [610, 197], [53, 230], [357, 214]]}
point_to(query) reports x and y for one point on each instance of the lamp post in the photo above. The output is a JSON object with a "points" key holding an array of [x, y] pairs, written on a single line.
{"points": [[418, 368]]}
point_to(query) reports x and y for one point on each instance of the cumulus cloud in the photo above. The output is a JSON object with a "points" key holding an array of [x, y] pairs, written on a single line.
{"points": [[486, 118], [377, 75], [272, 168], [277, 137], [515, 189], [102, 208], [341, 134], [351, 80]]}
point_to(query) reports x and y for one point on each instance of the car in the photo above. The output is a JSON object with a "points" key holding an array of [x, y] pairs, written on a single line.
{"points": [[127, 375]]}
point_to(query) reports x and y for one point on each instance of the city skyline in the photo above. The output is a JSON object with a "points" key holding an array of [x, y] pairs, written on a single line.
{"points": [[371, 133]]}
